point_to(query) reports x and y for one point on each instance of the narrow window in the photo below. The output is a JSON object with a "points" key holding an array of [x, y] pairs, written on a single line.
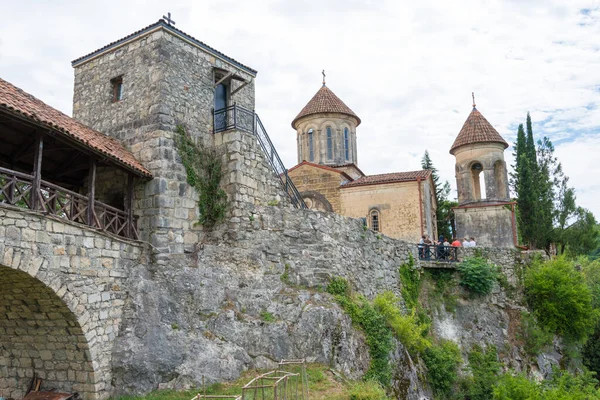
{"points": [[375, 221], [478, 183], [311, 152], [329, 144], [117, 88], [346, 144]]}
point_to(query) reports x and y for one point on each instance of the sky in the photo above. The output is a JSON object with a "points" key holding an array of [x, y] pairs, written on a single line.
{"points": [[406, 68]]}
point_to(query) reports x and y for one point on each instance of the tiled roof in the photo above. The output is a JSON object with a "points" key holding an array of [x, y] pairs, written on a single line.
{"points": [[16, 100], [477, 129], [350, 165], [325, 101], [164, 25], [325, 167], [390, 178]]}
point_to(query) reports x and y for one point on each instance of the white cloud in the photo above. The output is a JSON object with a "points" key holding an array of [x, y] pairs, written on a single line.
{"points": [[406, 68]]}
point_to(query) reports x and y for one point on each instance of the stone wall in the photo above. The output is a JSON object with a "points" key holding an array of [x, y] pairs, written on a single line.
{"points": [[325, 181], [61, 303], [490, 225]]}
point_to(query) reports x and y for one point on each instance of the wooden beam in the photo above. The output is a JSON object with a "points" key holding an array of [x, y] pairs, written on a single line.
{"points": [[63, 168], [37, 172], [91, 191], [223, 78], [240, 87], [129, 205], [25, 149]]}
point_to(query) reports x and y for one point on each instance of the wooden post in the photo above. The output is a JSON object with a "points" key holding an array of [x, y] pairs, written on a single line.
{"points": [[37, 173], [91, 192], [129, 209]]}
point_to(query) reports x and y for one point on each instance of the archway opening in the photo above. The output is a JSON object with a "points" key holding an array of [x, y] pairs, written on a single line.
{"points": [[38, 333], [478, 181]]}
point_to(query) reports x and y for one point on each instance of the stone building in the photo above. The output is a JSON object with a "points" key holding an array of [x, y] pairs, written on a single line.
{"points": [[401, 204], [485, 210]]}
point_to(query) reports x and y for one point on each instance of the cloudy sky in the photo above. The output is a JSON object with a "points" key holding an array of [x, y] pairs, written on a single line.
{"points": [[407, 68]]}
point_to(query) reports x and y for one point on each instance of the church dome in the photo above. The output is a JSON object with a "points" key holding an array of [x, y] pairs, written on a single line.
{"points": [[325, 101], [477, 129]]}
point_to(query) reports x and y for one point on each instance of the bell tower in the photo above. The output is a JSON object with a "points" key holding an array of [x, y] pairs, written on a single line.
{"points": [[484, 210]]}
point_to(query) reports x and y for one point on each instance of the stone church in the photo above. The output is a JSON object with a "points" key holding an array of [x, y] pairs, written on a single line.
{"points": [[401, 205]]}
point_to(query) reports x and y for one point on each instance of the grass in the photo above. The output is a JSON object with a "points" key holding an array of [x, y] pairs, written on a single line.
{"points": [[322, 385]]}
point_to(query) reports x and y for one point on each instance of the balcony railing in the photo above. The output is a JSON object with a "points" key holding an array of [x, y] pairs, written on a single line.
{"points": [[16, 189], [240, 118], [434, 252]]}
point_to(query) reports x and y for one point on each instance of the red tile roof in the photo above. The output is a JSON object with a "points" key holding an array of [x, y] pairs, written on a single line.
{"points": [[390, 178], [325, 101], [18, 101], [477, 129], [325, 167]]}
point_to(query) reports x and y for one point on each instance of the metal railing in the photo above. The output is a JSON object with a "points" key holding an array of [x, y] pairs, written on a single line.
{"points": [[16, 189], [240, 118], [435, 252]]}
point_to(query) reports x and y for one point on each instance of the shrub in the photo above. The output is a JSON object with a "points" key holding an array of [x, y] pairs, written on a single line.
{"points": [[484, 367], [516, 387], [442, 362], [407, 328], [535, 338], [367, 390], [338, 287], [591, 352], [560, 300], [267, 316], [478, 275], [411, 284]]}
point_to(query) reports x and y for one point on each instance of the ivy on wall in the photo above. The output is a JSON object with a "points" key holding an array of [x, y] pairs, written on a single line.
{"points": [[204, 172]]}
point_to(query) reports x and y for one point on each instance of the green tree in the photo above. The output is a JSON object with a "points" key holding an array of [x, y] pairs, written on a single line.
{"points": [[444, 213], [560, 299]]}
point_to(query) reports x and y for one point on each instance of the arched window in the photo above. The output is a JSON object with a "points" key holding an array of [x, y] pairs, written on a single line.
{"points": [[478, 184], [346, 144], [311, 150], [375, 220], [329, 144]]}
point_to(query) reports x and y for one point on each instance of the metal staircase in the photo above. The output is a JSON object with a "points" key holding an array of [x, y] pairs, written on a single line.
{"points": [[240, 118]]}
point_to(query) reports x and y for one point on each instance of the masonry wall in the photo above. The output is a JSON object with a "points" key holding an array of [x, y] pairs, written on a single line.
{"points": [[63, 291], [398, 205], [310, 179], [492, 226]]}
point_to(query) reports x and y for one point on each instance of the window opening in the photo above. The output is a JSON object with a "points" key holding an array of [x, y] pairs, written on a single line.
{"points": [[375, 221], [346, 144], [478, 183], [117, 88], [329, 144], [311, 151]]}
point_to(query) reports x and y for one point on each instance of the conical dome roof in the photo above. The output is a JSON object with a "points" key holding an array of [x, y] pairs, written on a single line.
{"points": [[477, 129], [325, 101]]}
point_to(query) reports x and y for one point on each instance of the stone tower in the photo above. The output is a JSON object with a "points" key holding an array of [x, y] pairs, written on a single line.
{"points": [[326, 130], [138, 90], [484, 210]]}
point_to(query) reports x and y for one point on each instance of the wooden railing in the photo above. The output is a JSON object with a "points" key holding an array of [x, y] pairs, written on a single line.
{"points": [[16, 189]]}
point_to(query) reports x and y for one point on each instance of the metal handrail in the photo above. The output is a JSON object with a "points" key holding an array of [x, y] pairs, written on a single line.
{"points": [[437, 252], [240, 118]]}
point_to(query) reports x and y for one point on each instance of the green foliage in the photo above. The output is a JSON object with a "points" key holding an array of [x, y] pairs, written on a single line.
{"points": [[444, 211], [367, 390], [407, 328], [204, 172], [442, 363], [516, 387], [444, 290], [285, 277], [338, 287], [378, 334], [534, 337], [478, 275], [563, 386], [174, 327], [267, 316], [273, 202], [411, 284], [485, 369], [560, 299]]}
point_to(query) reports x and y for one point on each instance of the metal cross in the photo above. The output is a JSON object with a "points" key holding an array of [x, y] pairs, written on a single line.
{"points": [[473, 95], [323, 77], [168, 19]]}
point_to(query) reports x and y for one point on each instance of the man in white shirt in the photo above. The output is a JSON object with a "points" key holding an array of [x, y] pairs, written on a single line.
{"points": [[472, 242]]}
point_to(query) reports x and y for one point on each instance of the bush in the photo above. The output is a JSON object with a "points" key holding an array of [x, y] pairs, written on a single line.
{"points": [[411, 284], [560, 300], [484, 367], [442, 363], [407, 328], [478, 275], [367, 390], [591, 352], [534, 337], [516, 388], [338, 287]]}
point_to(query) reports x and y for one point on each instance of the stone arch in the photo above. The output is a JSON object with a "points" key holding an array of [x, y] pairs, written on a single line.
{"points": [[316, 201], [39, 332]]}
